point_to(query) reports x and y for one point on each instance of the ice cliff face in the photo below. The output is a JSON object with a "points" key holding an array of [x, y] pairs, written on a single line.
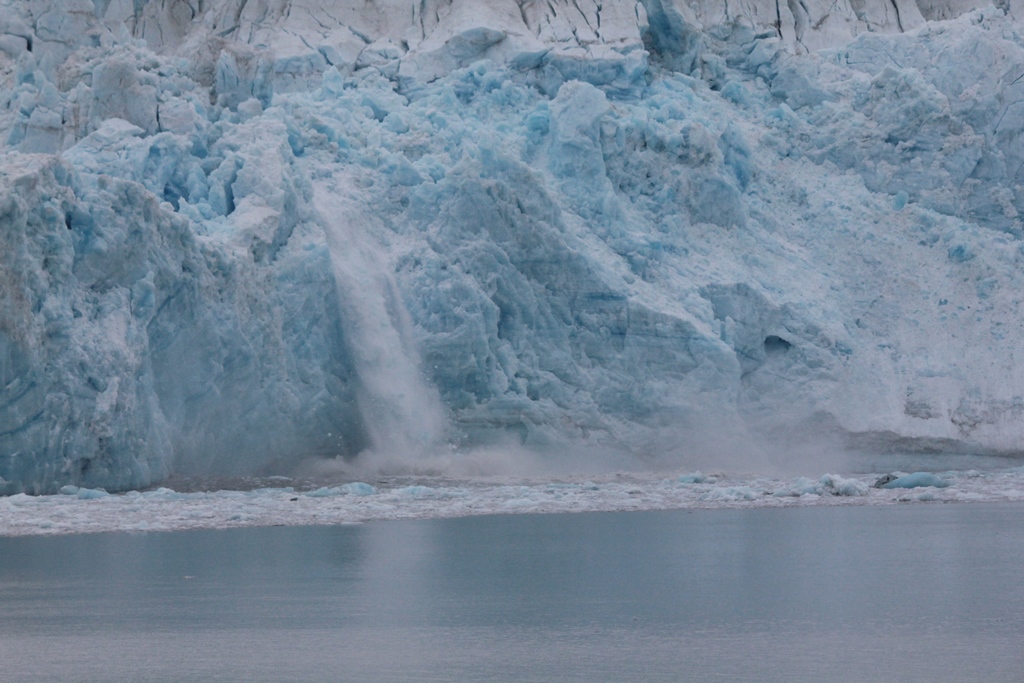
{"points": [[238, 234]]}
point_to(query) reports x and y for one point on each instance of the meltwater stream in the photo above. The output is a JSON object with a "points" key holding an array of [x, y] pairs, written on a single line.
{"points": [[877, 593]]}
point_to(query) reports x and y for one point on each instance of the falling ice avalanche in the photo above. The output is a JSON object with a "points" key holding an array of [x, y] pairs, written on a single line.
{"points": [[236, 235]]}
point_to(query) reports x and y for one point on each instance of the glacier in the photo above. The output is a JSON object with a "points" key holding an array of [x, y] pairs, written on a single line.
{"points": [[239, 236]]}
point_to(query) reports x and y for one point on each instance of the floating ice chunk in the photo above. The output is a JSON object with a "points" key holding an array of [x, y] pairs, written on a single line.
{"points": [[915, 480], [518, 503], [415, 491], [91, 494], [885, 479], [324, 492], [163, 493], [839, 486], [730, 493], [269, 491], [69, 490], [802, 486], [695, 478], [829, 484], [358, 488]]}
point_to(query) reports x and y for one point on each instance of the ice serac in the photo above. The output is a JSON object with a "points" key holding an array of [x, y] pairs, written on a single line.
{"points": [[239, 234], [129, 343]]}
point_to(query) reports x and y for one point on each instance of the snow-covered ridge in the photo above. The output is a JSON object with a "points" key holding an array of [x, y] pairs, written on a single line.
{"points": [[467, 29], [238, 235], [424, 40]]}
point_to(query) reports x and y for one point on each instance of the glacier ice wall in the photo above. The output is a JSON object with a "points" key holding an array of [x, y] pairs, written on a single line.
{"points": [[238, 234]]}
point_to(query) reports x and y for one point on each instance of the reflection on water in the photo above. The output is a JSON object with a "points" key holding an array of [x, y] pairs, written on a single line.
{"points": [[922, 593]]}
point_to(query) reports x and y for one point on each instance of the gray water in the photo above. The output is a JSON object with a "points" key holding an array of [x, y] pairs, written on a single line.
{"points": [[905, 593]]}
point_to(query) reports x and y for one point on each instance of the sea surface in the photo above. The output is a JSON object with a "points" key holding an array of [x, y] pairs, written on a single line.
{"points": [[915, 592]]}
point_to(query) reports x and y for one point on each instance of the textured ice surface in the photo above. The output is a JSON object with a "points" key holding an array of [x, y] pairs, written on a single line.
{"points": [[236, 235], [916, 480], [164, 509]]}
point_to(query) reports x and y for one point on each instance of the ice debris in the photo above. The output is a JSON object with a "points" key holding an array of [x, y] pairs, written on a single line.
{"points": [[839, 486], [915, 480], [828, 484], [415, 498], [356, 488], [730, 493]]}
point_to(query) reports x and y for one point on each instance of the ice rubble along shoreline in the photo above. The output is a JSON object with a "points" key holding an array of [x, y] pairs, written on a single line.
{"points": [[238, 234]]}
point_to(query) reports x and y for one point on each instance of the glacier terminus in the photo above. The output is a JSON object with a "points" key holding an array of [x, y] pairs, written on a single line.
{"points": [[237, 235]]}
